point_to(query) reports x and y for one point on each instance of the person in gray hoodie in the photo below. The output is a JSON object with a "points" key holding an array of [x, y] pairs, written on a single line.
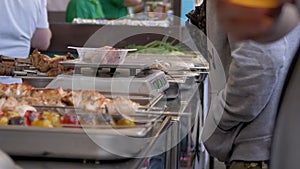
{"points": [[239, 126]]}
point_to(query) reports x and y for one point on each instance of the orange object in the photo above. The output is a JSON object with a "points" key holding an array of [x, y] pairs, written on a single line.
{"points": [[257, 3], [124, 122], [41, 122], [4, 120]]}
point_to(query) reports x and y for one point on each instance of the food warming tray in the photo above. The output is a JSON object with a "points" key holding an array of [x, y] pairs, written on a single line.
{"points": [[101, 143], [36, 81]]}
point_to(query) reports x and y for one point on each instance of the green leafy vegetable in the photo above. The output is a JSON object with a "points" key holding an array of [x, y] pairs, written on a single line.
{"points": [[159, 47]]}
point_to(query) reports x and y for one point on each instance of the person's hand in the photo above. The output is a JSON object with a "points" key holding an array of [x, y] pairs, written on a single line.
{"points": [[244, 22]]}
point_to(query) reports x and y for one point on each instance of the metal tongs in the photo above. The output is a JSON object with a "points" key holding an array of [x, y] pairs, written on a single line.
{"points": [[165, 113]]}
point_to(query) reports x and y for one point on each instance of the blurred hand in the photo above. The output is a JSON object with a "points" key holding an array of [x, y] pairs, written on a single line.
{"points": [[243, 22]]}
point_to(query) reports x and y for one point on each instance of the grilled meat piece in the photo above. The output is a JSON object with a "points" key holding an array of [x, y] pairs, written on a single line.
{"points": [[49, 65], [86, 100], [15, 90]]}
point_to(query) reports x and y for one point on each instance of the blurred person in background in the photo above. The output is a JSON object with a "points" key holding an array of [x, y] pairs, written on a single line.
{"points": [[285, 146], [241, 120], [85, 9], [114, 9], [24, 24]]}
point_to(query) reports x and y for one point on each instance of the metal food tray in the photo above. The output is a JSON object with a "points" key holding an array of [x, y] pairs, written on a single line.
{"points": [[77, 64], [181, 66], [136, 21], [142, 99], [146, 101], [81, 143], [198, 61], [96, 142], [36, 81], [125, 65]]}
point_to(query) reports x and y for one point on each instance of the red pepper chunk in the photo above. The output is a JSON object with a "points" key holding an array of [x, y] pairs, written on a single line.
{"points": [[30, 116], [70, 121]]}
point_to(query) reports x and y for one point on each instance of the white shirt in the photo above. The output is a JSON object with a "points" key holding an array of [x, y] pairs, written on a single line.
{"points": [[19, 20]]}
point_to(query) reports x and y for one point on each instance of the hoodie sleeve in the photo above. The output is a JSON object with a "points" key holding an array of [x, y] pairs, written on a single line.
{"points": [[252, 77]]}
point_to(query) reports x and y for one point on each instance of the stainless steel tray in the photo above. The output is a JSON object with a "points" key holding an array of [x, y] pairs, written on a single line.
{"points": [[180, 67], [101, 143], [146, 101], [126, 65], [98, 141], [181, 62], [36, 81]]}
